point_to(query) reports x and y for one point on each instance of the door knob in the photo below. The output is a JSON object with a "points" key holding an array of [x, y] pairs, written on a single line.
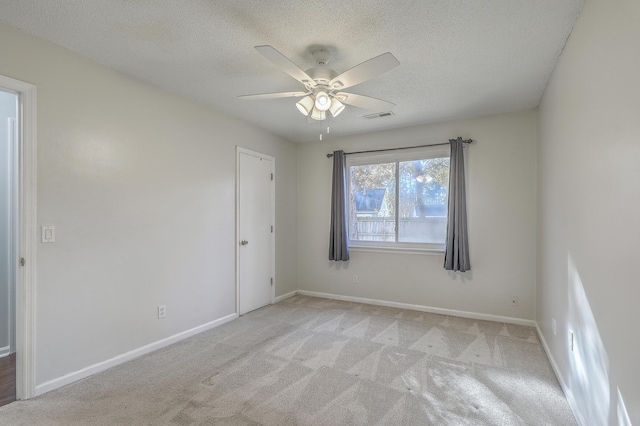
{"points": [[244, 242]]}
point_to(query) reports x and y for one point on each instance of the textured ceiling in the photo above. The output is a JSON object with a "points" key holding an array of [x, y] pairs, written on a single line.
{"points": [[458, 58]]}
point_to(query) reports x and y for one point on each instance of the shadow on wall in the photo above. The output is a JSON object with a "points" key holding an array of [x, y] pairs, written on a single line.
{"points": [[599, 401]]}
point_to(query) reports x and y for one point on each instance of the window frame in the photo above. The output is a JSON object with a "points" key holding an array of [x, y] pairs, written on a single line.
{"points": [[442, 151]]}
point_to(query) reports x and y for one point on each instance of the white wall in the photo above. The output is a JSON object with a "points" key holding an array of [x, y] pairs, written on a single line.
{"points": [[140, 185], [502, 221], [589, 206]]}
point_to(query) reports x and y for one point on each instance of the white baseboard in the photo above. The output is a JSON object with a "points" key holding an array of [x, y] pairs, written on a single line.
{"points": [[567, 393], [5, 351], [284, 296], [452, 312], [104, 365]]}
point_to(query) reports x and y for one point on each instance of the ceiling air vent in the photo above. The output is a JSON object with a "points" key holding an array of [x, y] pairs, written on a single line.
{"points": [[378, 115]]}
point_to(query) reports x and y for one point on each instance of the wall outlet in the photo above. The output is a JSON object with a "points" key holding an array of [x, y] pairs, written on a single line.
{"points": [[554, 326], [162, 311], [355, 278], [514, 301]]}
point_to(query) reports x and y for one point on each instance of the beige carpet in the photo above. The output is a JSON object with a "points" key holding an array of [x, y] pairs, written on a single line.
{"points": [[311, 361]]}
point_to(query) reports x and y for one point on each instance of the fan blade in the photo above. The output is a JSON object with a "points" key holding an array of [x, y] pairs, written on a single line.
{"points": [[285, 64], [365, 102], [274, 95], [365, 71]]}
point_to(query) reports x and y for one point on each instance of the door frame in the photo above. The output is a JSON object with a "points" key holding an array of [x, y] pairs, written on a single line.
{"points": [[241, 150], [26, 235]]}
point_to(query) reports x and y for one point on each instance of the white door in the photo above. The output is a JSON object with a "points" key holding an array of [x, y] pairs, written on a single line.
{"points": [[255, 230]]}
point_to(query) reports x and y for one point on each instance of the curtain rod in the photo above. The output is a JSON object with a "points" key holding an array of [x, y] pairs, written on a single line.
{"points": [[397, 149]]}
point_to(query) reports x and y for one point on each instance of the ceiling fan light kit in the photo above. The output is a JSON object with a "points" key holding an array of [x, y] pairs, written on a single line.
{"points": [[317, 114], [322, 82], [336, 107], [322, 101], [305, 105]]}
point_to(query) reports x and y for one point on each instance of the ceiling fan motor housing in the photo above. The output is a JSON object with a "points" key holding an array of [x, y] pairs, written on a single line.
{"points": [[321, 75]]}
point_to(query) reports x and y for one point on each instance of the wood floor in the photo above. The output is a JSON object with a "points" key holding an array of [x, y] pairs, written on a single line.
{"points": [[7, 379]]}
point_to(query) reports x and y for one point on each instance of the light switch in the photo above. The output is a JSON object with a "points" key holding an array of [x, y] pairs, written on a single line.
{"points": [[48, 234]]}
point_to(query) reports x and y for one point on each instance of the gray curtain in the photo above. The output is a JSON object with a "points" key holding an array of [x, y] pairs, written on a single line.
{"points": [[456, 256], [338, 248]]}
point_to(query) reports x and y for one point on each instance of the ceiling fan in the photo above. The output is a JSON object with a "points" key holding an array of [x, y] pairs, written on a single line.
{"points": [[323, 85]]}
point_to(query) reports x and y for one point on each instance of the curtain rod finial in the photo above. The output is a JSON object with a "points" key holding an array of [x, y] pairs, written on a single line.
{"points": [[329, 155]]}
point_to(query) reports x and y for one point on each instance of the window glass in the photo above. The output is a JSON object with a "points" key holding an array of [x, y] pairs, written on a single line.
{"points": [[372, 200], [423, 200], [398, 200]]}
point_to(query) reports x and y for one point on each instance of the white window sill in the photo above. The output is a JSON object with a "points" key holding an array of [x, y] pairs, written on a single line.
{"points": [[397, 250]]}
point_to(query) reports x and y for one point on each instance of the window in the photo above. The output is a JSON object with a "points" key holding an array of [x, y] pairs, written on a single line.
{"points": [[398, 200]]}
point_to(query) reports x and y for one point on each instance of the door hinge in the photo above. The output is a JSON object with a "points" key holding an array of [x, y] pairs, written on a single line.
{"points": [[271, 176], [22, 261], [271, 281], [272, 229]]}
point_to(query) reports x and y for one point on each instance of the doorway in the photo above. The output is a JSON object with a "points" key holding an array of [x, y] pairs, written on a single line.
{"points": [[18, 141], [8, 242], [255, 214]]}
